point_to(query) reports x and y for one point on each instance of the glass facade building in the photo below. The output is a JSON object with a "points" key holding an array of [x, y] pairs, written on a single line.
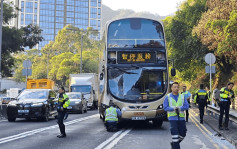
{"points": [[52, 15]]}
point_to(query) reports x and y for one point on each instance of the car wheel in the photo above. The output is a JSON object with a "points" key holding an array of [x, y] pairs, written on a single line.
{"points": [[11, 119], [81, 111], [46, 117]]}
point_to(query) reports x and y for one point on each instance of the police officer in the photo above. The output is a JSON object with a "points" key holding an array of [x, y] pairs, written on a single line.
{"points": [[111, 117], [201, 98], [63, 103], [175, 104], [187, 96], [227, 96], [208, 95]]}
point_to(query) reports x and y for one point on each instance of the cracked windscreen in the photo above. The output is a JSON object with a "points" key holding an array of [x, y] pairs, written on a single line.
{"points": [[137, 84]]}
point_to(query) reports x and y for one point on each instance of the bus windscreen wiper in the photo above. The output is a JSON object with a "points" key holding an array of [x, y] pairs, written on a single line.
{"points": [[122, 70]]}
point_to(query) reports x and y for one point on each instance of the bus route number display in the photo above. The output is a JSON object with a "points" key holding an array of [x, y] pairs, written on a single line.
{"points": [[136, 57]]}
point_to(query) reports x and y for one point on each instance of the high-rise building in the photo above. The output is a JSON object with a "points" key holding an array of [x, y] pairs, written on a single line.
{"points": [[52, 15]]}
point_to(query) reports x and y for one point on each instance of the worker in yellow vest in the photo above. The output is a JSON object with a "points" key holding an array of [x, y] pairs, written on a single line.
{"points": [[175, 104]]}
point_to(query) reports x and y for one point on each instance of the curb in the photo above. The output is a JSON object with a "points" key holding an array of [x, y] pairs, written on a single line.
{"points": [[228, 138]]}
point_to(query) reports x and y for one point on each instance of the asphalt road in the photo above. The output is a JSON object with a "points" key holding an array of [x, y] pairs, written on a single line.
{"points": [[86, 131]]}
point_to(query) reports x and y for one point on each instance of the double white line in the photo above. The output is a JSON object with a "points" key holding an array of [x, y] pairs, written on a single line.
{"points": [[112, 141], [32, 132]]}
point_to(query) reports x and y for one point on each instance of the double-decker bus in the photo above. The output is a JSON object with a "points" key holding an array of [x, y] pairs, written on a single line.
{"points": [[134, 72]]}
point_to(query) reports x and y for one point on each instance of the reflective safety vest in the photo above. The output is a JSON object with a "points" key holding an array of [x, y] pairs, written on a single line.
{"points": [[173, 104], [185, 93], [111, 114], [201, 95], [224, 93], [65, 102]]}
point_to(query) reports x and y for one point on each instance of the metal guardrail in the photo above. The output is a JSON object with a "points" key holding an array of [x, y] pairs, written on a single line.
{"points": [[211, 110]]}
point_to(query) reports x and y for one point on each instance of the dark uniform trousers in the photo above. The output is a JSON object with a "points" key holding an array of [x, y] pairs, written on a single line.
{"points": [[178, 131], [61, 115], [201, 106], [224, 107]]}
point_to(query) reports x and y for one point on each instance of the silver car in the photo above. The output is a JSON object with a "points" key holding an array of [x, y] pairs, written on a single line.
{"points": [[78, 103]]}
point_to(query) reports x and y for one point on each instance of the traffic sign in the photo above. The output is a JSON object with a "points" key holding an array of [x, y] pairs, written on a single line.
{"points": [[27, 72], [27, 64], [213, 69], [210, 58]]}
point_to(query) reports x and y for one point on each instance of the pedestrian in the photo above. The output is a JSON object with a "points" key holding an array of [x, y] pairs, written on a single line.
{"points": [[175, 104], [187, 96], [208, 95], [111, 117], [201, 98], [63, 103], [227, 96], [216, 96]]}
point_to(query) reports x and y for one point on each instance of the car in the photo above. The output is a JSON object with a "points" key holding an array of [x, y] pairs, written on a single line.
{"points": [[33, 103], [78, 102]]}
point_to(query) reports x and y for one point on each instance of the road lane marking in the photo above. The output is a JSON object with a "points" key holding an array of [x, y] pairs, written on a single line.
{"points": [[204, 133], [114, 142], [109, 140], [32, 132], [205, 129], [3, 121]]}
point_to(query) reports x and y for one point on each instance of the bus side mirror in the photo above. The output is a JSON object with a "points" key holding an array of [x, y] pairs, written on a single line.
{"points": [[173, 72], [101, 76]]}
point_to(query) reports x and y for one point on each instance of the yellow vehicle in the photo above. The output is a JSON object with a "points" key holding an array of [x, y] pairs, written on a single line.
{"points": [[134, 72], [40, 84]]}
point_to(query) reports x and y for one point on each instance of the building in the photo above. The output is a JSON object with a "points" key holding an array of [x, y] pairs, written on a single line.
{"points": [[52, 15]]}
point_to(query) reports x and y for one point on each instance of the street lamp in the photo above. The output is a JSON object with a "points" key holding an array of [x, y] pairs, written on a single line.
{"points": [[1, 21]]}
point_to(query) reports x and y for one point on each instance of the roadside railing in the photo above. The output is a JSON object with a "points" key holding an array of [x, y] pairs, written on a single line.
{"points": [[215, 111]]}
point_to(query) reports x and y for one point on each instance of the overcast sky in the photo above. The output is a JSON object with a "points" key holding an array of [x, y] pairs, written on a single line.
{"points": [[160, 7]]}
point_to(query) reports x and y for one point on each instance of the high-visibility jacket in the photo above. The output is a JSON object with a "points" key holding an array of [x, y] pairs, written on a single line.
{"points": [[201, 95], [111, 114], [173, 103], [225, 92], [64, 102], [185, 93]]}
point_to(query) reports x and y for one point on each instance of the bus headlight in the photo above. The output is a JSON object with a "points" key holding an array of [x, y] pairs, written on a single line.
{"points": [[112, 57], [160, 106]]}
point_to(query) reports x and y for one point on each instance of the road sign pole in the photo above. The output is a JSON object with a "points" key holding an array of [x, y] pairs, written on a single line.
{"points": [[210, 75]]}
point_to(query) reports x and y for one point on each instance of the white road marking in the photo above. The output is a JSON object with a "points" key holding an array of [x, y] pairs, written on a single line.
{"points": [[113, 143], [32, 132], [3, 120]]}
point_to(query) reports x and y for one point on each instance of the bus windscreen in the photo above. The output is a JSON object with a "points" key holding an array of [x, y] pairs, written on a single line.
{"points": [[135, 33]]}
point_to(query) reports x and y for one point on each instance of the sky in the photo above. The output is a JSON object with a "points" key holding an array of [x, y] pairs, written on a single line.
{"points": [[160, 7]]}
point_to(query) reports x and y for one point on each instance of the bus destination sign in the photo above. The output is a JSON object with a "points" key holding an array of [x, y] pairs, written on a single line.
{"points": [[136, 57]]}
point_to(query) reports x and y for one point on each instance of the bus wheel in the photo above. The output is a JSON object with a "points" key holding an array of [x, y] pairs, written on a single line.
{"points": [[157, 123]]}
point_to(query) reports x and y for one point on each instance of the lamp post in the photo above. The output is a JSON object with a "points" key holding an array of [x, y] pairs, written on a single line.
{"points": [[1, 21]]}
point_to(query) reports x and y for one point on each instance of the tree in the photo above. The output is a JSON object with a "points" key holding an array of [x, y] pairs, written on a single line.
{"points": [[15, 40]]}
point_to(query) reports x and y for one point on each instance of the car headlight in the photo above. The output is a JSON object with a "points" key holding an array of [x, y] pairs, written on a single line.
{"points": [[37, 105]]}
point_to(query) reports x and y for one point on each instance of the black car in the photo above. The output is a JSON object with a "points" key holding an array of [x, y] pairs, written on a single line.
{"points": [[33, 103], [78, 103]]}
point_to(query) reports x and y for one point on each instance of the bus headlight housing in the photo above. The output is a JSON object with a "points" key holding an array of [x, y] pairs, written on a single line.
{"points": [[160, 106]]}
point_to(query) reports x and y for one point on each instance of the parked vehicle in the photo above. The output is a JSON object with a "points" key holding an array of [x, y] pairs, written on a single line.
{"points": [[33, 103], [6, 100], [78, 103], [87, 84], [40, 84]]}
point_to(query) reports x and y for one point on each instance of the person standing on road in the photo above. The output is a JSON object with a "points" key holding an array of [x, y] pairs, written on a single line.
{"points": [[175, 104], [227, 96], [63, 103], [201, 99], [216, 96], [111, 117], [187, 96], [208, 95]]}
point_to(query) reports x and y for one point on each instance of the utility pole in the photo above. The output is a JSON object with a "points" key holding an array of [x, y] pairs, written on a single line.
{"points": [[1, 21], [81, 52]]}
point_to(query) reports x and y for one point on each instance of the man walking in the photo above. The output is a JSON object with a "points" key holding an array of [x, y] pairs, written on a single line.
{"points": [[175, 104], [201, 99], [187, 96], [63, 103], [216, 96], [227, 96]]}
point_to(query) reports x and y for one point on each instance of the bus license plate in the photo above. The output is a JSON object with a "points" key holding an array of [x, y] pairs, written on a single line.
{"points": [[23, 111], [69, 107], [139, 118]]}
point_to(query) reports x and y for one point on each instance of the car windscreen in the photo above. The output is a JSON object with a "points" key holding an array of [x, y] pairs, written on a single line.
{"points": [[81, 88], [74, 96], [33, 94]]}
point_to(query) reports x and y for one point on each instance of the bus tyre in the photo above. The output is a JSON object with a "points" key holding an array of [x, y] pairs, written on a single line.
{"points": [[11, 119], [157, 123]]}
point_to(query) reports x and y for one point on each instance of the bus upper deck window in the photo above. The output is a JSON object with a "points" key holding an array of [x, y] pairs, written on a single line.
{"points": [[135, 24]]}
